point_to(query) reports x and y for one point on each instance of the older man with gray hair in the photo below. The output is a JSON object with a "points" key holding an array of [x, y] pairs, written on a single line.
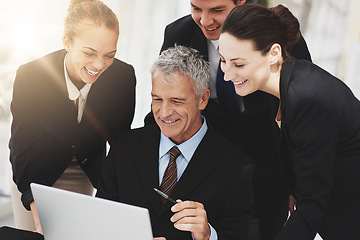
{"points": [[181, 155]]}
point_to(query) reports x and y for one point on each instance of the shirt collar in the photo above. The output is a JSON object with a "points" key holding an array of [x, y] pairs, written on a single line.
{"points": [[73, 91], [215, 43], [186, 148]]}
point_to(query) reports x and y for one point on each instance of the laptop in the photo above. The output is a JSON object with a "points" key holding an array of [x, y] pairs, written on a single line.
{"points": [[73, 216]]}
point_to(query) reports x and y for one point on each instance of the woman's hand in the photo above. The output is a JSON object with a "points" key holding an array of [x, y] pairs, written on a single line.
{"points": [[292, 204], [36, 218]]}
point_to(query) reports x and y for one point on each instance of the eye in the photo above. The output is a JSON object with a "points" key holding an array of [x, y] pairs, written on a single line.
{"points": [[110, 56], [217, 10], [196, 8], [239, 65], [88, 54], [176, 102], [155, 99]]}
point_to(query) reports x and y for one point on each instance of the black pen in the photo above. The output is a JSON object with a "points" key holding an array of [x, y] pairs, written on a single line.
{"points": [[165, 196]]}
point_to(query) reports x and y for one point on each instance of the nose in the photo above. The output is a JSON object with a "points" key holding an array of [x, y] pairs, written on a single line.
{"points": [[206, 19], [165, 109], [99, 63], [227, 71]]}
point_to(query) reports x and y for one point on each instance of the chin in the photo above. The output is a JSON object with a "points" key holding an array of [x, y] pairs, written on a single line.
{"points": [[242, 94], [212, 35]]}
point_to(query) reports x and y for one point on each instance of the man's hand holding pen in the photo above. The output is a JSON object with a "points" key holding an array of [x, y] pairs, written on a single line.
{"points": [[191, 216]]}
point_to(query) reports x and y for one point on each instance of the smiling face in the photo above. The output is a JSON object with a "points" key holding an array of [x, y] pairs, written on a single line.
{"points": [[176, 108], [90, 53], [209, 15], [248, 69]]}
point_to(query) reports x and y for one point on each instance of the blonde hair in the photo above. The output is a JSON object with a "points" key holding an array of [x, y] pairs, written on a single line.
{"points": [[89, 12]]}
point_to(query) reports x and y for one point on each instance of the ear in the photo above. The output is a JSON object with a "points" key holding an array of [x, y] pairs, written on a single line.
{"points": [[66, 43], [240, 2], [204, 98], [275, 55]]}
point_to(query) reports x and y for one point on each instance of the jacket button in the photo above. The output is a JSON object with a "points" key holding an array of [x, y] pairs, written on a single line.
{"points": [[84, 161]]}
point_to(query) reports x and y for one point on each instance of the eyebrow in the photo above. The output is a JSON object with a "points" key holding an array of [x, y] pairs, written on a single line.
{"points": [[234, 59], [173, 98], [218, 7], [114, 51]]}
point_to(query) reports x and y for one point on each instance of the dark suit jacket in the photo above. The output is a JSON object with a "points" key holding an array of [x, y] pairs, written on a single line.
{"points": [[321, 126], [218, 176], [10, 233], [45, 135], [254, 131]]}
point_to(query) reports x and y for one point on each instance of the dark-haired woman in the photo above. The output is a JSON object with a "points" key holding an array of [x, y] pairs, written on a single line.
{"points": [[318, 115], [67, 104]]}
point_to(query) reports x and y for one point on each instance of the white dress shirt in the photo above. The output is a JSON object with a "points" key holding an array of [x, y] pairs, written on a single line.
{"points": [[187, 150], [214, 58], [76, 94]]}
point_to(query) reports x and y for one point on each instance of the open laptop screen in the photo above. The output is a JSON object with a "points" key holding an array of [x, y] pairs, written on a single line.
{"points": [[73, 216]]}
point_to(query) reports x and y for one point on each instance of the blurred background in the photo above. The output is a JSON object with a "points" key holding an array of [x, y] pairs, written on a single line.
{"points": [[31, 29]]}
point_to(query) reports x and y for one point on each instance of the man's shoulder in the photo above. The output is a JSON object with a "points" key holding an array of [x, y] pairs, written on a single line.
{"points": [[185, 23], [183, 30], [186, 32], [135, 136], [226, 150]]}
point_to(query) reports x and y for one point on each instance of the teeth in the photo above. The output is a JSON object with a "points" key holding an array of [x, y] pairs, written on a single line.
{"points": [[240, 82], [168, 122], [212, 29], [90, 72]]}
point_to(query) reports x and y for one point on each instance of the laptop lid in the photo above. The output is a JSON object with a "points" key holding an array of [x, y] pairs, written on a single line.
{"points": [[73, 216]]}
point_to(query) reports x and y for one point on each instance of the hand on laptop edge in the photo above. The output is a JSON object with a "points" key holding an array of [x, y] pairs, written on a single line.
{"points": [[36, 218]]}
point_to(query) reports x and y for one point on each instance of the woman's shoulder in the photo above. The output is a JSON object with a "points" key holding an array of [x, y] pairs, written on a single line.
{"points": [[310, 83], [121, 66], [46, 62], [308, 77]]}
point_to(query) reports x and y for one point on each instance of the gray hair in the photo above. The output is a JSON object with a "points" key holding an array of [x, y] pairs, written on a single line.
{"points": [[186, 61]]}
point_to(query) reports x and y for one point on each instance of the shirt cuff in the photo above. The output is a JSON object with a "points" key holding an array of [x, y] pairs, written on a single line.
{"points": [[213, 233]]}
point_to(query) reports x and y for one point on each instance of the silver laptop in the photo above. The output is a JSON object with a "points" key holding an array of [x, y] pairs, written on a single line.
{"points": [[66, 215]]}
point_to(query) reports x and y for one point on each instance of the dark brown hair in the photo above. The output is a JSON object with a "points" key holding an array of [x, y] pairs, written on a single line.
{"points": [[89, 12], [265, 26]]}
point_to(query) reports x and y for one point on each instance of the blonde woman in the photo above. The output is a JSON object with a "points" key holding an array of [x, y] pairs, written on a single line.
{"points": [[66, 105]]}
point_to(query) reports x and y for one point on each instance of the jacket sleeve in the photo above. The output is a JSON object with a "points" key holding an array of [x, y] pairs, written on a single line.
{"points": [[25, 134], [107, 186]]}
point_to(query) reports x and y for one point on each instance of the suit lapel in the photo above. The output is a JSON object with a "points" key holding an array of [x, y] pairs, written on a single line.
{"points": [[147, 164], [61, 111], [285, 155], [286, 72]]}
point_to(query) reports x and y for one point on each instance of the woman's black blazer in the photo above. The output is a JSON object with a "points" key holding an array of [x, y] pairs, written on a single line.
{"points": [[320, 124], [45, 135]]}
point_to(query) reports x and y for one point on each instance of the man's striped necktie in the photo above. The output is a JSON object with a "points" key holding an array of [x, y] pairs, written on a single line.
{"points": [[170, 175]]}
